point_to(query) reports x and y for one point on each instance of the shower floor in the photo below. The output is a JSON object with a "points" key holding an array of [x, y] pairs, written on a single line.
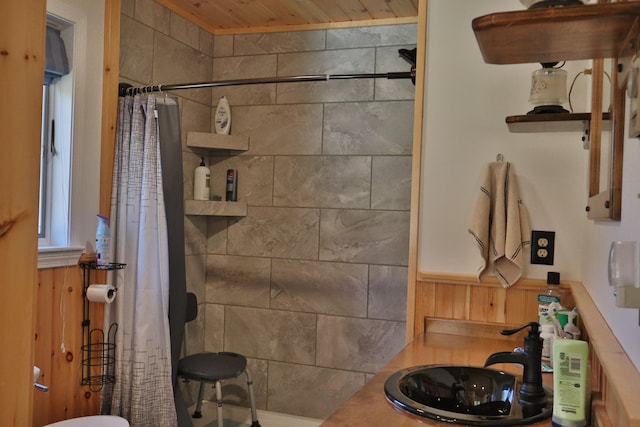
{"points": [[236, 416]]}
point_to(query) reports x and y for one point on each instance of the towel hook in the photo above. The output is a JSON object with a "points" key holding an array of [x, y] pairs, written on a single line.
{"points": [[499, 158]]}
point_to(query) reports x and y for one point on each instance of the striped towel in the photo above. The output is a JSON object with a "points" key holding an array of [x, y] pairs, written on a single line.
{"points": [[499, 224]]}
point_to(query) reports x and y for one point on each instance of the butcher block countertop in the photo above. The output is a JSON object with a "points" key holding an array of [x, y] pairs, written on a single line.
{"points": [[445, 342]]}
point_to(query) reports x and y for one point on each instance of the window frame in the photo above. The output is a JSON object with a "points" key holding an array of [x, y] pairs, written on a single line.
{"points": [[74, 234], [45, 142]]}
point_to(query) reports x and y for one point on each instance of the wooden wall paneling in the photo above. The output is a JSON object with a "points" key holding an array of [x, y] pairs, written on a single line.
{"points": [[416, 166], [330, 9], [43, 343], [62, 378], [599, 416], [423, 307], [22, 53], [402, 7], [616, 398], [486, 304], [110, 80], [238, 16], [379, 10], [308, 12], [597, 376], [451, 301], [469, 329], [611, 406], [82, 401], [514, 310], [60, 312], [353, 10], [462, 297]]}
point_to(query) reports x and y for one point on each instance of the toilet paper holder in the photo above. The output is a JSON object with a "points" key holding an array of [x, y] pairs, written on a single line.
{"points": [[98, 345]]}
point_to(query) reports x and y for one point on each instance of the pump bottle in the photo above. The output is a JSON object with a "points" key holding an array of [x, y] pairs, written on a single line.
{"points": [[201, 182]]}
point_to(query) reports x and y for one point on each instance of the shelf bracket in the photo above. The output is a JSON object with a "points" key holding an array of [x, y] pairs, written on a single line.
{"points": [[586, 134]]}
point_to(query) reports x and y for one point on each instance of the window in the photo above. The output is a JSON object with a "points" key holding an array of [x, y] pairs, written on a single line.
{"points": [[71, 131], [55, 147], [44, 146]]}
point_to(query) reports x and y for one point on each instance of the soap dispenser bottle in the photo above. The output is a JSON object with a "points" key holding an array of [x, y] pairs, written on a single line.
{"points": [[201, 182]]}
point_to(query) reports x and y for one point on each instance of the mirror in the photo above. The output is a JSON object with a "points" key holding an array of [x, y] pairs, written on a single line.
{"points": [[607, 142]]}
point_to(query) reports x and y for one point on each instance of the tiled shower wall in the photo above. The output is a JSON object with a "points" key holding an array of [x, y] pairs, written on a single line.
{"points": [[311, 284]]}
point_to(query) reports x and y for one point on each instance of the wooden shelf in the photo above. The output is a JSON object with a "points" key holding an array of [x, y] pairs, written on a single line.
{"points": [[557, 34], [213, 141], [553, 122], [214, 208]]}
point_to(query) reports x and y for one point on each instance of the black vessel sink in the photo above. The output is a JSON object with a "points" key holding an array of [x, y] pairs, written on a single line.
{"points": [[465, 395]]}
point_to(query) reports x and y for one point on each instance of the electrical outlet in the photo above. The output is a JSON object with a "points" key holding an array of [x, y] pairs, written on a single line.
{"points": [[542, 246]]}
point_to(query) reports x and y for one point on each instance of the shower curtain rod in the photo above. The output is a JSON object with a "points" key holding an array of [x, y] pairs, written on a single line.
{"points": [[127, 89]]}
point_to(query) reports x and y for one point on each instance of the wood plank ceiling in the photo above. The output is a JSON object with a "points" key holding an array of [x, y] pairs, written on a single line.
{"points": [[245, 16]]}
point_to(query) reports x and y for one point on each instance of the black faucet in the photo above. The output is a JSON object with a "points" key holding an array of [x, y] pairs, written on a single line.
{"points": [[531, 392]]}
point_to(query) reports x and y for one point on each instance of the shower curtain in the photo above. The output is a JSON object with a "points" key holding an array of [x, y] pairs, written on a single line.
{"points": [[143, 388]]}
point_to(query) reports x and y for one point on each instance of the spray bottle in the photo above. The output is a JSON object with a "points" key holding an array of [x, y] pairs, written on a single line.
{"points": [[103, 241]]}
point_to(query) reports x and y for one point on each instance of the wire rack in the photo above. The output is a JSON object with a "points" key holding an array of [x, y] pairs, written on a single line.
{"points": [[98, 349]]}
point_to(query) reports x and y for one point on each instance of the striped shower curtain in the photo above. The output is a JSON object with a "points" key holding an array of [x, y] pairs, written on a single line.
{"points": [[143, 388]]}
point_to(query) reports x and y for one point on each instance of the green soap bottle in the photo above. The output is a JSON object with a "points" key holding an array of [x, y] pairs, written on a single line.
{"points": [[571, 394]]}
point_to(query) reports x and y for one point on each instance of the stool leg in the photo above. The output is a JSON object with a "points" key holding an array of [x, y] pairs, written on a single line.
{"points": [[198, 412], [252, 400], [219, 403]]}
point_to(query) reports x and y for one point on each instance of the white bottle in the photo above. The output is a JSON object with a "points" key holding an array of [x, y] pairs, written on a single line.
{"points": [[201, 182], [103, 241], [222, 119], [548, 334]]}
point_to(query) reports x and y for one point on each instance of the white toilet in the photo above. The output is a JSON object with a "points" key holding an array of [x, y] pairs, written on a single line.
{"points": [[92, 421]]}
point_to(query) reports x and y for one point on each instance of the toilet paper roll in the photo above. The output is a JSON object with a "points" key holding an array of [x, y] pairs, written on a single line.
{"points": [[101, 293]]}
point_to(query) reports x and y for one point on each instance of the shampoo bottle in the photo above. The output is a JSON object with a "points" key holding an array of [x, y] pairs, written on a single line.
{"points": [[222, 117], [103, 241], [201, 182], [570, 383]]}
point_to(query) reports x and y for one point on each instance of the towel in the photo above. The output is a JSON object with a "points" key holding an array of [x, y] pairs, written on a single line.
{"points": [[499, 224]]}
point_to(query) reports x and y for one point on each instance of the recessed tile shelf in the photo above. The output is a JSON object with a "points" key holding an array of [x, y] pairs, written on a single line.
{"points": [[215, 141], [215, 208]]}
